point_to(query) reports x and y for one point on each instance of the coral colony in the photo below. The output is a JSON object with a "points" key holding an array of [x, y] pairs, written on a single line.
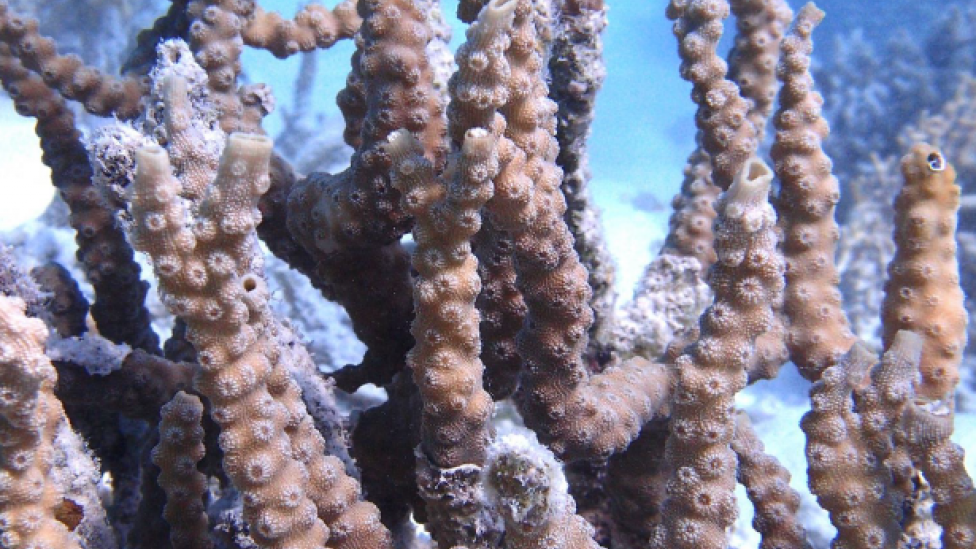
{"points": [[499, 302]]}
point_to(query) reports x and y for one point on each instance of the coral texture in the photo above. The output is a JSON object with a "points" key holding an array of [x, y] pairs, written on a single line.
{"points": [[31, 416], [501, 399], [922, 292], [818, 334]]}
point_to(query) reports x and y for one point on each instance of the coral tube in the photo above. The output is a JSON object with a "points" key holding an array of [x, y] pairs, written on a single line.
{"points": [[746, 279]]}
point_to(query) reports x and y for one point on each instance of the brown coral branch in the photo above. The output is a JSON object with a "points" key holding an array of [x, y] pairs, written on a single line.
{"points": [[690, 225], [315, 26], [100, 93], [372, 285], [444, 360], [179, 449], [635, 482], [30, 416], [576, 72], [138, 389], [351, 221], [767, 484], [235, 362], [567, 408], [922, 293], [760, 28], [818, 332], [728, 135], [746, 281], [925, 429], [849, 483], [358, 208], [66, 305], [119, 309]]}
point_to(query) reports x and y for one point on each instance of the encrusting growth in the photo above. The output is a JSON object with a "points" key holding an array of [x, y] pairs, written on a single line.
{"points": [[525, 483], [817, 332], [30, 415], [922, 293], [577, 71]]}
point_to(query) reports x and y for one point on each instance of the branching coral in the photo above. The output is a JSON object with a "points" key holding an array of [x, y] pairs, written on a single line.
{"points": [[30, 416], [509, 296]]}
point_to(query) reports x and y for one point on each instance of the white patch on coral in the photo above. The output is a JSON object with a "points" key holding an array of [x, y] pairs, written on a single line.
{"points": [[96, 354]]}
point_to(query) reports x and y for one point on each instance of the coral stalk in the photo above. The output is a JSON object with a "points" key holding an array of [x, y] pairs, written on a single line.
{"points": [[180, 448], [224, 313], [30, 416], [922, 293], [767, 484], [728, 135], [444, 360], [818, 332], [119, 308], [100, 93], [568, 409], [926, 428], [746, 280], [849, 482]]}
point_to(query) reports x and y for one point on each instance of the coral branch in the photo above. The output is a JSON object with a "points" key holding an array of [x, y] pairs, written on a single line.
{"points": [[760, 28], [314, 26], [926, 428], [922, 293], [566, 408], [30, 416], [180, 448], [576, 72], [119, 308], [100, 93], [852, 485], [445, 361], [746, 280], [818, 332], [205, 286], [768, 487], [728, 135]]}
